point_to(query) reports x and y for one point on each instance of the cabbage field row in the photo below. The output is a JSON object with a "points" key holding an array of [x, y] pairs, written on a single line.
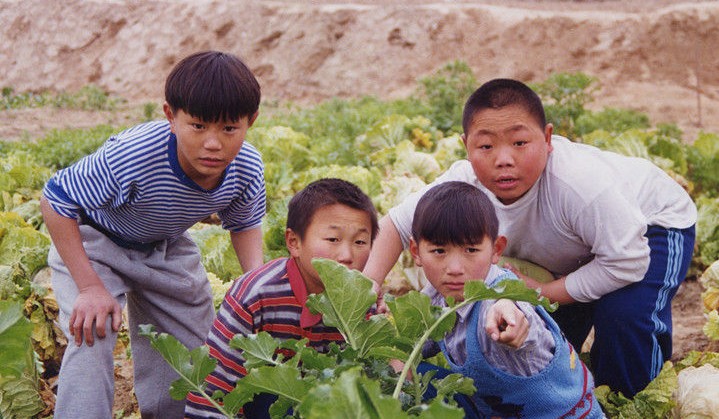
{"points": [[389, 149]]}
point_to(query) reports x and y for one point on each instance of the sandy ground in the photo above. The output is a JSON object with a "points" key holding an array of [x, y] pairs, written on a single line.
{"points": [[656, 56]]}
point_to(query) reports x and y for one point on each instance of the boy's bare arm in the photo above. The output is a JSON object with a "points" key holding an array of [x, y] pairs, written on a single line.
{"points": [[94, 303], [506, 323], [386, 249], [555, 291], [248, 247]]}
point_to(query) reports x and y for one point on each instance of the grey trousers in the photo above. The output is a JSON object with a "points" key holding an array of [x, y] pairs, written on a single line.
{"points": [[166, 287]]}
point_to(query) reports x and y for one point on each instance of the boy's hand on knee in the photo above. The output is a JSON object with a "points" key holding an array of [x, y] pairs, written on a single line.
{"points": [[507, 324], [92, 306]]}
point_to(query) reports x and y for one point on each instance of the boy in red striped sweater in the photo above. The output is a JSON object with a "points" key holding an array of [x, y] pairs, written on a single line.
{"points": [[330, 218]]}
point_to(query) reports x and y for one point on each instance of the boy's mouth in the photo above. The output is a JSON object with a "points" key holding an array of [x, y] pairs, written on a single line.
{"points": [[506, 182], [211, 162], [454, 286]]}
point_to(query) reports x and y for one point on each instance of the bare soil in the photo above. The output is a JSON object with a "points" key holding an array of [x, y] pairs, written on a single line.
{"points": [[655, 56]]}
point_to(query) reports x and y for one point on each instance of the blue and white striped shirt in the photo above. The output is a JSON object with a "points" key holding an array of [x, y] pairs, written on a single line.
{"points": [[134, 188]]}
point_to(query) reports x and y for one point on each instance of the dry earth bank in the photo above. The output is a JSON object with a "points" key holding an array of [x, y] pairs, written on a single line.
{"points": [[659, 57]]}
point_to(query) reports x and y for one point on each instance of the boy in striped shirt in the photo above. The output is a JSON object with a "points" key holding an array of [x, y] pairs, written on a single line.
{"points": [[118, 220], [330, 218]]}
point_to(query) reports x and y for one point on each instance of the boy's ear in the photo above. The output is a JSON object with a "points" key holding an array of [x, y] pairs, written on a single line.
{"points": [[464, 140], [499, 245], [293, 242], [548, 130], [252, 119], [167, 110], [414, 251]]}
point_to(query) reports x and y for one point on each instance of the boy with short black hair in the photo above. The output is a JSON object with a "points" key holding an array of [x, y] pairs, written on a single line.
{"points": [[455, 239], [330, 218], [617, 232], [118, 220]]}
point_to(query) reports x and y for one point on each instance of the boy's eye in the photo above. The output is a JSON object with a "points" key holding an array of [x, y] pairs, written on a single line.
{"points": [[471, 250], [437, 250], [361, 242], [485, 147], [197, 125], [520, 142], [230, 129], [332, 239]]}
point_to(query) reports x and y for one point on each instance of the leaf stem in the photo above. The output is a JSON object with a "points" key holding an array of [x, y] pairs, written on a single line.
{"points": [[416, 351]]}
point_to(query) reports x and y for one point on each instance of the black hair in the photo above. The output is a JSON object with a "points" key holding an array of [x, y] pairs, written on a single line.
{"points": [[454, 213], [498, 93], [213, 86], [324, 192]]}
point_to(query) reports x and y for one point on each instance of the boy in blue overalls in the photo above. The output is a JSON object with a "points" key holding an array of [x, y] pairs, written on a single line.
{"points": [[455, 239]]}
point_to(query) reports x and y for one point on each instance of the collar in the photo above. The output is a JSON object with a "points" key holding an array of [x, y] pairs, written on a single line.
{"points": [[299, 288]]}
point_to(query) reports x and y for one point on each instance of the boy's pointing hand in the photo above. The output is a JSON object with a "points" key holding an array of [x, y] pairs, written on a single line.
{"points": [[507, 324]]}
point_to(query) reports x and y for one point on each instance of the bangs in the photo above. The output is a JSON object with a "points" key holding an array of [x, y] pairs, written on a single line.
{"points": [[454, 213], [451, 226], [213, 86], [219, 97]]}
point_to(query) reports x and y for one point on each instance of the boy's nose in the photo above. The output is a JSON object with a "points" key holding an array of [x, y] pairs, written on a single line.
{"points": [[211, 142], [454, 266], [344, 255], [504, 157]]}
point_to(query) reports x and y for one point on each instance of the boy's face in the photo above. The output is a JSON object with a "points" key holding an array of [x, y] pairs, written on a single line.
{"points": [[205, 149], [508, 150], [336, 232], [448, 267]]}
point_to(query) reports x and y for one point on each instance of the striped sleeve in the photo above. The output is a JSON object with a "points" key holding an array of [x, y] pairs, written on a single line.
{"points": [[87, 184], [233, 317], [246, 211]]}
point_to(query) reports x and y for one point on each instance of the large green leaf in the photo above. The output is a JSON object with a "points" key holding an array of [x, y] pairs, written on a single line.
{"points": [[414, 315], [510, 289], [283, 380], [347, 298], [452, 384], [15, 344], [437, 408], [655, 401], [218, 254], [261, 349], [19, 396], [192, 366], [351, 396]]}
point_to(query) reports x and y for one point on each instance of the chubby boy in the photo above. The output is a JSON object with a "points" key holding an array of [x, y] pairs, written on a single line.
{"points": [[330, 218], [617, 232]]}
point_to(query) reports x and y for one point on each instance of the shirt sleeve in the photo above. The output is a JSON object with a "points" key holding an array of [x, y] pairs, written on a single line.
{"points": [[88, 184], [247, 210], [532, 357], [402, 214], [614, 229], [233, 318]]}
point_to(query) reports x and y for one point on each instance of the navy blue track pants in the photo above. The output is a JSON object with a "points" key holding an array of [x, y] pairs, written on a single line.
{"points": [[633, 325]]}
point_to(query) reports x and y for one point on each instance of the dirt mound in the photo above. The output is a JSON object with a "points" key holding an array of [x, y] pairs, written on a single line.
{"points": [[649, 58]]}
